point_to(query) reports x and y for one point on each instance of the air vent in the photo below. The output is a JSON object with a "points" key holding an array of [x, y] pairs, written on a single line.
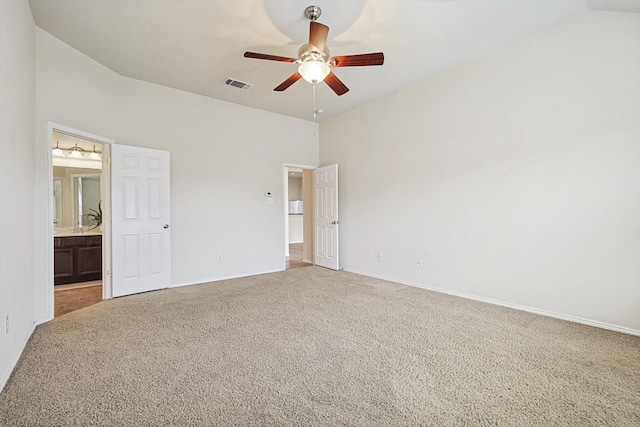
{"points": [[237, 83]]}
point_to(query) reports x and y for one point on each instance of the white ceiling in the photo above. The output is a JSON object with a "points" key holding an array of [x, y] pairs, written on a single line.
{"points": [[194, 45]]}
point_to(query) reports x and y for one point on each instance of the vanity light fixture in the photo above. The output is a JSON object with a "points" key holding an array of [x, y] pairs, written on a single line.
{"points": [[77, 153], [94, 155], [57, 152]]}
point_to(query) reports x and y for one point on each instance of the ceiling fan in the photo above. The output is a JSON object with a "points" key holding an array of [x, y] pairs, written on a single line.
{"points": [[314, 60]]}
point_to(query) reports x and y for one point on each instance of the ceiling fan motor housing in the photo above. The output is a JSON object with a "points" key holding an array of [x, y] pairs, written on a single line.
{"points": [[313, 12], [304, 54]]}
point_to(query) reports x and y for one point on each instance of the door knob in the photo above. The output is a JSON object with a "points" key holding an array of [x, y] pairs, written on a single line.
{"points": [[334, 222], [166, 226]]}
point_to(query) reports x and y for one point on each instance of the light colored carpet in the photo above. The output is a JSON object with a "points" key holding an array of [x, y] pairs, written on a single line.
{"points": [[311, 346]]}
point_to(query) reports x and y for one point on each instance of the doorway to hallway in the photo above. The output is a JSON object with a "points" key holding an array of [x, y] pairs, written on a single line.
{"points": [[298, 215], [295, 258]]}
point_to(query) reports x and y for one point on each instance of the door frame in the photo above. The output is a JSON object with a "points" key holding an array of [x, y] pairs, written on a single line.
{"points": [[285, 204], [106, 206]]}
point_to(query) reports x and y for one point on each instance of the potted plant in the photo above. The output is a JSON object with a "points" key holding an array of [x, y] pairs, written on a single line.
{"points": [[95, 216]]}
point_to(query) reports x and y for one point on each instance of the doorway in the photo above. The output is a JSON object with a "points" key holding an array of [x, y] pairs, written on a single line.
{"points": [[298, 216], [79, 219]]}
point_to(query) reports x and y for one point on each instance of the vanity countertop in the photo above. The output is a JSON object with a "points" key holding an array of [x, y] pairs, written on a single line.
{"points": [[71, 234]]}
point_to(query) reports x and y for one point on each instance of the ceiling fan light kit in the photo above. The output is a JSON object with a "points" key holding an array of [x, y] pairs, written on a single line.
{"points": [[314, 71], [314, 60]]}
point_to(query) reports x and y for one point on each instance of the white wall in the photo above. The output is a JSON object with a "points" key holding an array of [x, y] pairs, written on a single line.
{"points": [[17, 112], [223, 159], [296, 229], [295, 188], [515, 178]]}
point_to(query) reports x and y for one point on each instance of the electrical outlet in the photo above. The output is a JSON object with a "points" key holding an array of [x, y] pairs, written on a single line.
{"points": [[418, 262], [6, 325], [379, 257], [219, 258]]}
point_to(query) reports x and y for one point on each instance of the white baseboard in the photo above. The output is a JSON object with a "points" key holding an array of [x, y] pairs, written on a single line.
{"points": [[43, 320], [308, 261], [6, 375], [217, 279], [541, 312]]}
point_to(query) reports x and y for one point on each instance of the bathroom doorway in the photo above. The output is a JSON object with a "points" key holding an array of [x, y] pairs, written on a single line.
{"points": [[298, 217], [80, 180]]}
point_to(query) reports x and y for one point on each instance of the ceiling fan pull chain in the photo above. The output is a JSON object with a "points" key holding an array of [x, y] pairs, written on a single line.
{"points": [[315, 110]]}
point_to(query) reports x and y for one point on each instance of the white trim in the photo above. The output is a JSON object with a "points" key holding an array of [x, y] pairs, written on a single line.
{"points": [[546, 313], [77, 133], [219, 279], [49, 225], [40, 322], [296, 166], [7, 375], [107, 283], [106, 229], [285, 202]]}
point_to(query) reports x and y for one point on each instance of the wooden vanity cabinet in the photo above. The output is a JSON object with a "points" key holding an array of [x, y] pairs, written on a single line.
{"points": [[77, 259]]}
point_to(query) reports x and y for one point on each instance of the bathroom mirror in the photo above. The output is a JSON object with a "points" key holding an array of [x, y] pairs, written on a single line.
{"points": [[75, 192], [57, 202], [86, 198]]}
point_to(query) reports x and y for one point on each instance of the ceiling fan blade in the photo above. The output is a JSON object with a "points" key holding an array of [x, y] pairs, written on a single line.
{"points": [[268, 57], [291, 80], [336, 84], [317, 36], [361, 60]]}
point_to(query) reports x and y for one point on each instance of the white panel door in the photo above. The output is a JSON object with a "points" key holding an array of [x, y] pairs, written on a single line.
{"points": [[325, 184], [140, 222]]}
